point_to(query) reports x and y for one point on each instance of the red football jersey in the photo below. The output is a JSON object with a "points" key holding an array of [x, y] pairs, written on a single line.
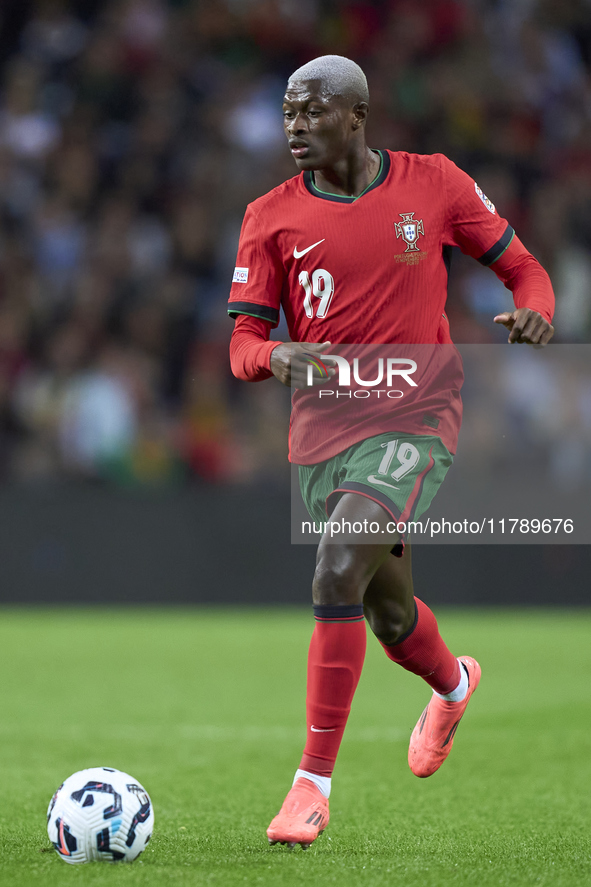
{"points": [[368, 269], [371, 269]]}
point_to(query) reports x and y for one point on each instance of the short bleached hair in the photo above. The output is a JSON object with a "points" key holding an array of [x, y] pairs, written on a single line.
{"points": [[338, 75]]}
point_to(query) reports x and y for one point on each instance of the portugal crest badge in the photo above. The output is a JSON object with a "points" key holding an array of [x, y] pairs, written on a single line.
{"points": [[409, 229]]}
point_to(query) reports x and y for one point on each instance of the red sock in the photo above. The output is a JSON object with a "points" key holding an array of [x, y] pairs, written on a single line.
{"points": [[335, 660], [423, 651]]}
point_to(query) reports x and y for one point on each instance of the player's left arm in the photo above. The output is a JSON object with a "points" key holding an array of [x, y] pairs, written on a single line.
{"points": [[473, 224], [533, 296]]}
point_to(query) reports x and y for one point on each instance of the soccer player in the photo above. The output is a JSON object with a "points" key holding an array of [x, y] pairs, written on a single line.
{"points": [[355, 249]]}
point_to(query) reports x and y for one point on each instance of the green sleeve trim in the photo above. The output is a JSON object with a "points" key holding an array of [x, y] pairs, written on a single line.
{"points": [[262, 312], [496, 251], [505, 250]]}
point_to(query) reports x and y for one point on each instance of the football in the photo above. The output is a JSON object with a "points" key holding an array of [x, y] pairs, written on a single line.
{"points": [[100, 814]]}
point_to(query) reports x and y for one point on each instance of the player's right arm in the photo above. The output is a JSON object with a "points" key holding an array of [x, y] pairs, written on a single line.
{"points": [[250, 349], [255, 300], [291, 360], [253, 357]]}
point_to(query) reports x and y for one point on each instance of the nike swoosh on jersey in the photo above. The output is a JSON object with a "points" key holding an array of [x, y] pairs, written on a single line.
{"points": [[375, 480], [320, 730], [297, 254]]}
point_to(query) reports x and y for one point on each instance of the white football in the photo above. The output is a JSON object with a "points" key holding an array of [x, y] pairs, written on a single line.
{"points": [[100, 814]]}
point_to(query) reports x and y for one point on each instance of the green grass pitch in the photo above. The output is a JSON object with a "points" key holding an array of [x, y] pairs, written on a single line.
{"points": [[206, 708]]}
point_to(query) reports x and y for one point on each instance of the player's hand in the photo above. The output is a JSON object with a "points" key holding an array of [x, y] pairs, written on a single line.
{"points": [[526, 325], [290, 362]]}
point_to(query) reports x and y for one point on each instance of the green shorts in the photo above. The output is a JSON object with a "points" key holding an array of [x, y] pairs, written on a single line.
{"points": [[402, 473]]}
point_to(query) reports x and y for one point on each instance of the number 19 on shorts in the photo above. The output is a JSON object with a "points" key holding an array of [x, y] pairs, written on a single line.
{"points": [[406, 454]]}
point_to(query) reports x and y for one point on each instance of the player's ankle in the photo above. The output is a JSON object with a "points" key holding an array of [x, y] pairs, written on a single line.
{"points": [[322, 783], [459, 694]]}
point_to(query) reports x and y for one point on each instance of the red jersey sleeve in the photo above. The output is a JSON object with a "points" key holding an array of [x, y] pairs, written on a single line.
{"points": [[528, 281], [250, 349], [258, 277], [472, 221], [474, 225]]}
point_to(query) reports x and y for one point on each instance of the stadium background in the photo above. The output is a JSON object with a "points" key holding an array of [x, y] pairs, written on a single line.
{"points": [[133, 467]]}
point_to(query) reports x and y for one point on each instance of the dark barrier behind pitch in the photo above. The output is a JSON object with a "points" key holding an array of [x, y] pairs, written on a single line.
{"points": [[77, 544]]}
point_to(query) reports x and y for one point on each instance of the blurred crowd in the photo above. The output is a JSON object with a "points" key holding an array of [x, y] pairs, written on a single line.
{"points": [[134, 132]]}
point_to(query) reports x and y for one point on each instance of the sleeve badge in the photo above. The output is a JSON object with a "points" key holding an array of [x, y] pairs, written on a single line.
{"points": [[488, 203]]}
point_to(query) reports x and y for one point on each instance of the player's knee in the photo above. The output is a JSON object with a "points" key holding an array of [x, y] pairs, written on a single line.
{"points": [[336, 583], [389, 623]]}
